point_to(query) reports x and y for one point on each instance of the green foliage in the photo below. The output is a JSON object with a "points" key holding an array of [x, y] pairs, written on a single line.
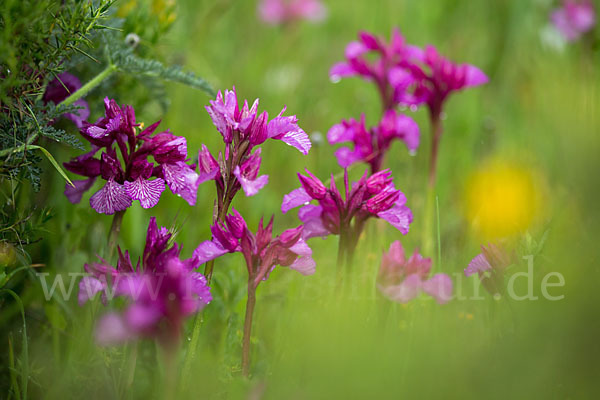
{"points": [[18, 132], [130, 63], [38, 36], [124, 58]]}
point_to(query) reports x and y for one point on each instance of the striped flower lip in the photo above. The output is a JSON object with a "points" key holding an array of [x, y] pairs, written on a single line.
{"points": [[135, 163]]}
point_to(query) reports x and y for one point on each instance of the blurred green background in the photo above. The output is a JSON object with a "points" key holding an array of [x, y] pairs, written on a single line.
{"points": [[539, 111]]}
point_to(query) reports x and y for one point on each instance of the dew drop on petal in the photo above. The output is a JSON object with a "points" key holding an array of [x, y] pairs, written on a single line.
{"points": [[412, 153], [414, 108], [335, 78]]}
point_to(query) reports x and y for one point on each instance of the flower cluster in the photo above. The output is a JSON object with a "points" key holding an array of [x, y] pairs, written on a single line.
{"points": [[490, 265], [242, 130], [261, 251], [59, 89], [371, 196], [371, 145], [281, 11], [405, 74], [574, 18], [401, 279], [163, 290], [130, 175]]}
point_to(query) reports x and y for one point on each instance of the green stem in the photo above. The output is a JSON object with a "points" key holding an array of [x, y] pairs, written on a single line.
{"points": [[250, 302], [85, 89], [341, 256], [24, 347], [439, 239], [113, 235], [427, 238], [191, 351]]}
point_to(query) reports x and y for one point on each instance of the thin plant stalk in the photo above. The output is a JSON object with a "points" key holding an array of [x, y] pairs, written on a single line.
{"points": [[113, 234], [341, 255], [436, 130], [85, 89], [250, 303]]}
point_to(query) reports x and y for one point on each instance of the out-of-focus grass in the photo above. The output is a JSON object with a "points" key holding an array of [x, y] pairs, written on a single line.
{"points": [[540, 109]]}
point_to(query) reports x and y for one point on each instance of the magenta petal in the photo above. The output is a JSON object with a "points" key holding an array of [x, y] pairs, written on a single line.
{"points": [[146, 191], [341, 70], [475, 76], [287, 130], [207, 176], [399, 217], [408, 131], [141, 317], [96, 132], [88, 287], [477, 264], [80, 115], [74, 194], [208, 250], [111, 198], [182, 180], [439, 287], [298, 139], [305, 265], [295, 198], [251, 187], [404, 292], [346, 156], [339, 133], [301, 248], [112, 329], [200, 290], [310, 215], [132, 285], [355, 49], [400, 78]]}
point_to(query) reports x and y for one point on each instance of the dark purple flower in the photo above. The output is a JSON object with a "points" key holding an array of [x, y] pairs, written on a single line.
{"points": [[261, 251], [282, 11], [401, 279], [163, 290], [373, 196], [574, 18], [490, 266], [370, 146], [59, 89], [131, 174]]}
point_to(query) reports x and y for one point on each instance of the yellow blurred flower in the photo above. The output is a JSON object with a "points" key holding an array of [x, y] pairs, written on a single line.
{"points": [[126, 8], [165, 10], [502, 199]]}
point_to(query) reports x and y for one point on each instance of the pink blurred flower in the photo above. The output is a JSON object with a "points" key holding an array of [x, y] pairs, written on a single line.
{"points": [[490, 265], [370, 146], [389, 69], [162, 290], [62, 87], [574, 18], [280, 11], [401, 279]]}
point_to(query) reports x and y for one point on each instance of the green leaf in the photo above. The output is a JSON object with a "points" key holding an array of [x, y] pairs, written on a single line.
{"points": [[53, 162], [127, 62]]}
